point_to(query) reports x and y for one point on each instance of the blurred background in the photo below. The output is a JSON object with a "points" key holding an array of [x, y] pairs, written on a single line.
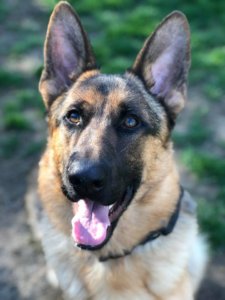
{"points": [[117, 30]]}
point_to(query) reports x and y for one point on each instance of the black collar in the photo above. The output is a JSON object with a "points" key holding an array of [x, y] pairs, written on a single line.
{"points": [[153, 234]]}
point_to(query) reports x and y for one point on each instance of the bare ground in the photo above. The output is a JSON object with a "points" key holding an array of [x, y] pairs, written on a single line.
{"points": [[22, 266]]}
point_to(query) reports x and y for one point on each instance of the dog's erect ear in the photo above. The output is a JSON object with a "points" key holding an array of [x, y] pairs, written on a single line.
{"points": [[67, 53], [164, 61]]}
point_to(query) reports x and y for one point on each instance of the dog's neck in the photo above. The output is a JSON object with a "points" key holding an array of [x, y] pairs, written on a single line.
{"points": [[152, 235]]}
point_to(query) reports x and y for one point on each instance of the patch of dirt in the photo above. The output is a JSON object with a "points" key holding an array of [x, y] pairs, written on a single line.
{"points": [[22, 266]]}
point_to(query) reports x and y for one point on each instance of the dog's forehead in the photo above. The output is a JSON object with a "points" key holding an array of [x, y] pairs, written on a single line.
{"points": [[103, 84], [110, 90], [98, 89]]}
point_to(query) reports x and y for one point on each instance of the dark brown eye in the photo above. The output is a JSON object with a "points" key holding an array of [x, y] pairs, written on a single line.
{"points": [[74, 117], [130, 122]]}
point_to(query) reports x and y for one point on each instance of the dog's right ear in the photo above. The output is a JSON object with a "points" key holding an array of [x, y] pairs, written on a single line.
{"points": [[164, 61], [67, 53]]}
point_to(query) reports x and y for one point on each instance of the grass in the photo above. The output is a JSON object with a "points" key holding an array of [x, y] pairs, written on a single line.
{"points": [[212, 221], [210, 170], [205, 165], [34, 148], [16, 121], [27, 44], [10, 79], [9, 145], [29, 98], [196, 133], [3, 12], [23, 99], [15, 144], [14, 109]]}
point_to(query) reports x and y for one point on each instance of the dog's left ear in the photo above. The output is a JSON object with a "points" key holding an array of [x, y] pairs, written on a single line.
{"points": [[67, 53], [164, 61]]}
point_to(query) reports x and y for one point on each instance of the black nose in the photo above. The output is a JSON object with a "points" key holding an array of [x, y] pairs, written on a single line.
{"points": [[88, 178]]}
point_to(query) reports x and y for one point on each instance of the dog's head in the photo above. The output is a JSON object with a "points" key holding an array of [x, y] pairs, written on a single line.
{"points": [[109, 134]]}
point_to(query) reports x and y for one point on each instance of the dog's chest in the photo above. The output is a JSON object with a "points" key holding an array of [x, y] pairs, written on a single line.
{"points": [[82, 278], [120, 279], [101, 281]]}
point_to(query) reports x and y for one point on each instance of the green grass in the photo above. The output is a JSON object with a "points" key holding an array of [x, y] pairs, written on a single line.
{"points": [[210, 170], [10, 79], [3, 12], [30, 98], [197, 132], [22, 100], [26, 44], [15, 143], [14, 109], [205, 165], [9, 145], [34, 148], [212, 221], [16, 121]]}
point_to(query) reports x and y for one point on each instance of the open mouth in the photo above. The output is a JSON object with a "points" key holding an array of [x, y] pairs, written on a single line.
{"points": [[93, 223]]}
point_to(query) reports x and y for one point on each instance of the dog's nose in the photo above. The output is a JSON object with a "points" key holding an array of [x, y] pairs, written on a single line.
{"points": [[87, 178]]}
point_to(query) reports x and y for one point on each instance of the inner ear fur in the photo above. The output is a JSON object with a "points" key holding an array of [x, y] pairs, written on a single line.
{"points": [[164, 61], [67, 53]]}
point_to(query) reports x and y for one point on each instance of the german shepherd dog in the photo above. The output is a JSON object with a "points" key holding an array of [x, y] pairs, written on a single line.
{"points": [[115, 221]]}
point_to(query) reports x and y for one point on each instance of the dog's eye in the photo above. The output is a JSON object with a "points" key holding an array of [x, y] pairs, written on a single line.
{"points": [[130, 122], [74, 117]]}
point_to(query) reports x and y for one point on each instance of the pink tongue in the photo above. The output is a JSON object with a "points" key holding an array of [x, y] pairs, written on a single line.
{"points": [[90, 223]]}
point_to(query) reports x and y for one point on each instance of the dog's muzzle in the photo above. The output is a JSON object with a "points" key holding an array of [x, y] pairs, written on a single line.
{"points": [[98, 202]]}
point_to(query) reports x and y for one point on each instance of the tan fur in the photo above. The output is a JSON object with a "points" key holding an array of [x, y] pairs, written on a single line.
{"points": [[167, 268]]}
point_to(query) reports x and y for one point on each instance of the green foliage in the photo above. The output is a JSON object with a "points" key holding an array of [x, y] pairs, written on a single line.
{"points": [[22, 100], [29, 98], [14, 109], [210, 169], [16, 121], [213, 92], [10, 79], [196, 134], [3, 11], [9, 145], [34, 148], [212, 221], [26, 44], [205, 165]]}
